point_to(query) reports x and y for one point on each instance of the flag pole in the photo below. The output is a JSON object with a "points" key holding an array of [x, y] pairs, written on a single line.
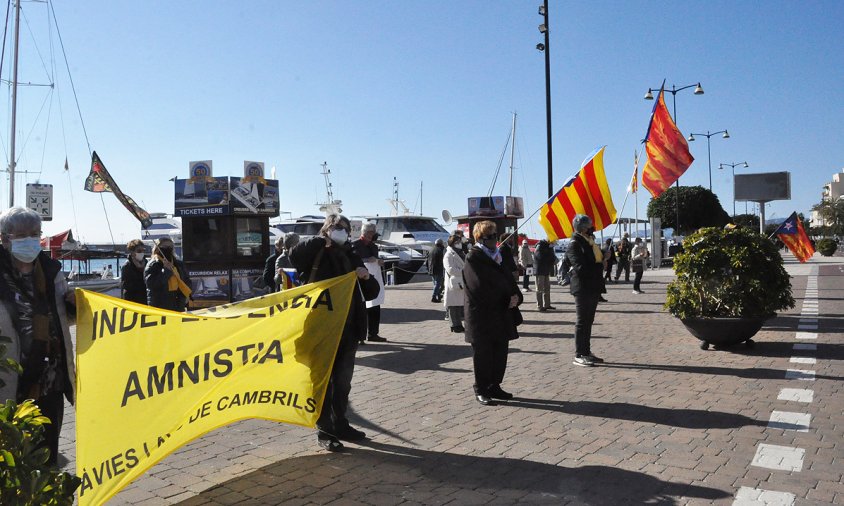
{"points": [[636, 177]]}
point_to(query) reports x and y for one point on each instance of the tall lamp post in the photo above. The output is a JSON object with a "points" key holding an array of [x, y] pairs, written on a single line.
{"points": [[733, 167], [709, 149], [543, 29], [674, 90]]}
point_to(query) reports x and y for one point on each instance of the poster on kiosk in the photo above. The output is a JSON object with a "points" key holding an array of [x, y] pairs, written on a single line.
{"points": [[225, 231]]}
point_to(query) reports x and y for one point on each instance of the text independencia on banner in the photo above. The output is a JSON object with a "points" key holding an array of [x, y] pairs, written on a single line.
{"points": [[150, 380]]}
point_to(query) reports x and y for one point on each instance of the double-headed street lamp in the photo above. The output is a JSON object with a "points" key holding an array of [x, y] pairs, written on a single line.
{"points": [[708, 148], [543, 29], [674, 90], [733, 167]]}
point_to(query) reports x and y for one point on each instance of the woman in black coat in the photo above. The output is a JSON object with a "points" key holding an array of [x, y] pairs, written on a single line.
{"points": [[587, 283], [167, 279], [491, 313], [132, 285], [322, 257]]}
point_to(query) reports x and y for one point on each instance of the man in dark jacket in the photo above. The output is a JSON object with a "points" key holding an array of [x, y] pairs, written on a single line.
{"points": [[322, 257], [623, 258], [544, 262], [586, 285], [167, 279], [434, 263], [367, 249], [269, 265]]}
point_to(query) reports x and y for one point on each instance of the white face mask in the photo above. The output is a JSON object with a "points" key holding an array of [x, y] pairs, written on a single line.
{"points": [[26, 249], [139, 257], [339, 236]]}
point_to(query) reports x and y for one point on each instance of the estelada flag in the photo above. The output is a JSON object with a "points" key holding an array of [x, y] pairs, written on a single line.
{"points": [[99, 180], [668, 151], [289, 278], [791, 233], [586, 193]]}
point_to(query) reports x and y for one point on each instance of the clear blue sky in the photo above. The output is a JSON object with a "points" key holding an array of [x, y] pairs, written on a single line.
{"points": [[423, 91]]}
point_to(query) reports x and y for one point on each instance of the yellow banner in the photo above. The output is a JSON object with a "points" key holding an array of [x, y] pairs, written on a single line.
{"points": [[150, 380]]}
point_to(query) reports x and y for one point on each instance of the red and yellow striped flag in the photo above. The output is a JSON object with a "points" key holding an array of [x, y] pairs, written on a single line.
{"points": [[586, 193], [668, 151]]}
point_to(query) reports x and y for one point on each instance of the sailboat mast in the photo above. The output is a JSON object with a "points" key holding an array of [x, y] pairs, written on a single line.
{"points": [[512, 152], [14, 104]]}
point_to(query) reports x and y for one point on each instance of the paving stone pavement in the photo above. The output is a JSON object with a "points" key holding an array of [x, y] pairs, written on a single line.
{"points": [[661, 422]]}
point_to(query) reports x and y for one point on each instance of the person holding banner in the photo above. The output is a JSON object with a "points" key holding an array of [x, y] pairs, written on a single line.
{"points": [[587, 282], [491, 307], [34, 306], [322, 257], [167, 278]]}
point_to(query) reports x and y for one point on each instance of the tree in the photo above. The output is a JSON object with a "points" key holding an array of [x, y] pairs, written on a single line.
{"points": [[832, 214], [699, 207], [750, 221]]}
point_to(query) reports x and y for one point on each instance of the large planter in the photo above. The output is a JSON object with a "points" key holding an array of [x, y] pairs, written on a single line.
{"points": [[725, 331]]}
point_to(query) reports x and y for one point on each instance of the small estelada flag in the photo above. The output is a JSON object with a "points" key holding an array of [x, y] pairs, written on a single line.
{"points": [[792, 234]]}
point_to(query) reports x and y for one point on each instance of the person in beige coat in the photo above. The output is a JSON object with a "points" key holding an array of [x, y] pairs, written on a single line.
{"points": [[453, 262]]}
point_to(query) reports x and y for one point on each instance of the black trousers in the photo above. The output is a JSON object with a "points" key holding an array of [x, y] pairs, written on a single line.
{"points": [[373, 320], [623, 265], [52, 406], [585, 305], [490, 361], [333, 415], [637, 279]]}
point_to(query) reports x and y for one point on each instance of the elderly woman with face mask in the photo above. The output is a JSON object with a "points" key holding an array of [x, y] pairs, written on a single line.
{"points": [[587, 282], [322, 257], [491, 311], [34, 307], [167, 279]]}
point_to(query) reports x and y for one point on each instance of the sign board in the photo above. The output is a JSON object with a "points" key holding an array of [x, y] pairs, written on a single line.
{"points": [[254, 197], [491, 207], [211, 287], [39, 198], [202, 196], [763, 187], [514, 207], [253, 170], [201, 169]]}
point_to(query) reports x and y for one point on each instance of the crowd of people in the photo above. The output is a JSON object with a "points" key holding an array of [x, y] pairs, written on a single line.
{"points": [[476, 279]]}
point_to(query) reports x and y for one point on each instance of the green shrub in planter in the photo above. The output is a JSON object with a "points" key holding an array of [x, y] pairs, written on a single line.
{"points": [[827, 247], [728, 273], [25, 477]]}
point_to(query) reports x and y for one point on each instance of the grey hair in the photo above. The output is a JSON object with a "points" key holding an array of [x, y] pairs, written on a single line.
{"points": [[19, 219], [291, 239], [367, 227], [331, 221], [581, 223]]}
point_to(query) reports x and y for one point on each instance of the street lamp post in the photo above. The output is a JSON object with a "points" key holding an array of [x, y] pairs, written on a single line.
{"points": [[544, 47], [674, 90], [709, 149], [733, 167]]}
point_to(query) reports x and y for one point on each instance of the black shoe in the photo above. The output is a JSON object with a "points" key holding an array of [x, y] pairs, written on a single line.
{"points": [[351, 434], [543, 309], [457, 329], [550, 308], [497, 393], [330, 443], [376, 339], [597, 360], [601, 299], [484, 400]]}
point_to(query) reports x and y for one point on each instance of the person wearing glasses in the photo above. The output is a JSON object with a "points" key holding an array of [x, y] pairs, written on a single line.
{"points": [[325, 256], [34, 307], [167, 279], [587, 282], [491, 312]]}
